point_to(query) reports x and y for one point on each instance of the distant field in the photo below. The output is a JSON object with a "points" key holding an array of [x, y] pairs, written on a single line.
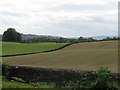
{"points": [[11, 48], [82, 56]]}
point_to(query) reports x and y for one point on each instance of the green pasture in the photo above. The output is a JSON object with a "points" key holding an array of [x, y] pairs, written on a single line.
{"points": [[11, 48]]}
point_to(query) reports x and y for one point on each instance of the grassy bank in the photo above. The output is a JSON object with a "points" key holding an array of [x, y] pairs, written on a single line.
{"points": [[16, 84]]}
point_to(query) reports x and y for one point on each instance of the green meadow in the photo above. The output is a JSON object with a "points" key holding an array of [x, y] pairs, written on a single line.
{"points": [[12, 48]]}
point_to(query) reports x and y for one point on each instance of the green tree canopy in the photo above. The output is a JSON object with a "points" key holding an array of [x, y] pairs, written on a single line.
{"points": [[11, 35]]}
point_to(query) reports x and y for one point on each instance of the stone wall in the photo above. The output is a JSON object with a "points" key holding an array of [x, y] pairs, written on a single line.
{"points": [[58, 76]]}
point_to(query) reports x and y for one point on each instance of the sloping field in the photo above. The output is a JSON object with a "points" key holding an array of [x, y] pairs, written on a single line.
{"points": [[11, 48], [82, 56]]}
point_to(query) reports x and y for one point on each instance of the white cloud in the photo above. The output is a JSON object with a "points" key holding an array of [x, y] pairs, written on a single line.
{"points": [[60, 17]]}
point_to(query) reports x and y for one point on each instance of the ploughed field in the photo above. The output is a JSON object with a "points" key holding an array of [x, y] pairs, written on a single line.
{"points": [[12, 48], [80, 56]]}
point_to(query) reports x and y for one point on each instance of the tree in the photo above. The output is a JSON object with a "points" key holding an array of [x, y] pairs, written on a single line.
{"points": [[11, 35], [61, 40], [90, 39], [80, 38]]}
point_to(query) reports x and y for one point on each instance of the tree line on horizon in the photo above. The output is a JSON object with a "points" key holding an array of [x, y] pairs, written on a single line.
{"points": [[11, 35]]}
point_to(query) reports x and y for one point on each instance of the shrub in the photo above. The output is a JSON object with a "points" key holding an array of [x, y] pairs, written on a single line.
{"points": [[104, 80], [6, 70]]}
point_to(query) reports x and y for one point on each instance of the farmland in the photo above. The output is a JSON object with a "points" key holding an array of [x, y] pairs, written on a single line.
{"points": [[11, 48], [80, 56]]}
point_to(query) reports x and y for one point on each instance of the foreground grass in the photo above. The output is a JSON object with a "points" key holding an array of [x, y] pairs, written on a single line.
{"points": [[11, 48], [15, 84]]}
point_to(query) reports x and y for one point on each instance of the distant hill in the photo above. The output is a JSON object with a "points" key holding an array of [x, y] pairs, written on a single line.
{"points": [[94, 37], [102, 37], [29, 36]]}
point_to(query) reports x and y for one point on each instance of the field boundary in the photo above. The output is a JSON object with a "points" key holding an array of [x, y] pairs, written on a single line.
{"points": [[59, 76], [38, 52]]}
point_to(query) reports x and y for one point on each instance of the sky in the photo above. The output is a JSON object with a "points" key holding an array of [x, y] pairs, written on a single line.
{"points": [[67, 18]]}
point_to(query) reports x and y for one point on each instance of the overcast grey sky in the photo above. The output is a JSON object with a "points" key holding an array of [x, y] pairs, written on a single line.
{"points": [[69, 18]]}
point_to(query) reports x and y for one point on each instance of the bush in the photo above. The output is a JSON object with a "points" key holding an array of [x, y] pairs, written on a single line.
{"points": [[6, 68], [104, 80]]}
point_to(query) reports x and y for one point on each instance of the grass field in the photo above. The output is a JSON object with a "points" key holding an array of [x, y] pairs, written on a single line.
{"points": [[14, 84], [11, 48], [82, 56]]}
